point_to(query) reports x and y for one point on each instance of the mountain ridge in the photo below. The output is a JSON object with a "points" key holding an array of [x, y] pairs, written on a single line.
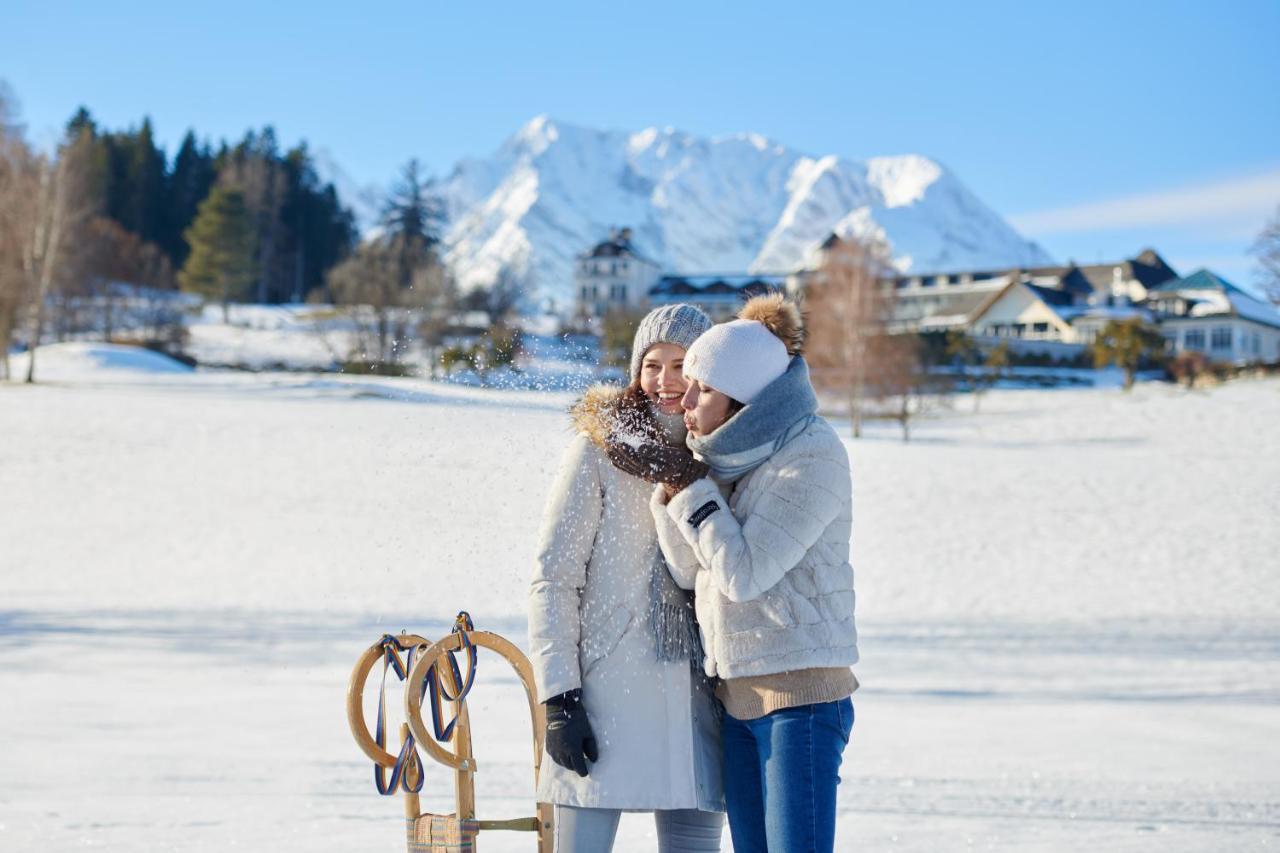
{"points": [[734, 202]]}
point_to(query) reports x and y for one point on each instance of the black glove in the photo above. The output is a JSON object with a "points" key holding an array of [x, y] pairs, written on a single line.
{"points": [[570, 742], [655, 462]]}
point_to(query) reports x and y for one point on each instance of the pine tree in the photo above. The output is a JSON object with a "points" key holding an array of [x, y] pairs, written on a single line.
{"points": [[412, 216], [145, 208], [412, 210], [318, 231], [189, 183], [221, 262]]}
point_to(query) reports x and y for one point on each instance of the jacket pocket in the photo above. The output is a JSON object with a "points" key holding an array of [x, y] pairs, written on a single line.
{"points": [[599, 641]]}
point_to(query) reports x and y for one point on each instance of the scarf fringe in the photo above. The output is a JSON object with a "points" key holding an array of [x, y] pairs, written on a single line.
{"points": [[677, 633]]}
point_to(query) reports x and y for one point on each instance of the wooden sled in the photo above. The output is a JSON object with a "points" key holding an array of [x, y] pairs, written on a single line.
{"points": [[456, 832]]}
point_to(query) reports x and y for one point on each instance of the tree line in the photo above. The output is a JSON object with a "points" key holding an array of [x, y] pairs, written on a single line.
{"points": [[101, 234]]}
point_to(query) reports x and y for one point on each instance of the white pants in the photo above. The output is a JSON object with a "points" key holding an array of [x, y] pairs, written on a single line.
{"points": [[679, 830]]}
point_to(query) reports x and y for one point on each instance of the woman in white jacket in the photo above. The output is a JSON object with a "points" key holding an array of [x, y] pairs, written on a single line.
{"points": [[632, 723], [763, 541]]}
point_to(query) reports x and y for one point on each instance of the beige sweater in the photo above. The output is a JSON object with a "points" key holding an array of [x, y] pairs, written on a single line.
{"points": [[752, 697]]}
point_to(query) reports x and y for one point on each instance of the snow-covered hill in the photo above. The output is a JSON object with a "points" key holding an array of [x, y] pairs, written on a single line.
{"points": [[738, 202]]}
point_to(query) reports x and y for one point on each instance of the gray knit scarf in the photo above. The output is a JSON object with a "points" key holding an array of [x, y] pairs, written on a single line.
{"points": [[671, 614], [783, 410]]}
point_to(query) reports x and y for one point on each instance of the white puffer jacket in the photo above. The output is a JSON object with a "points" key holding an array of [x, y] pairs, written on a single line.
{"points": [[769, 566], [589, 627]]}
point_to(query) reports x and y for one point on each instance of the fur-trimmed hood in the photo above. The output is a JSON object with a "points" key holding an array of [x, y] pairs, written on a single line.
{"points": [[595, 414], [606, 410]]}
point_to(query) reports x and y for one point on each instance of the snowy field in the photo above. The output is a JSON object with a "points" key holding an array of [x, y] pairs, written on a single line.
{"points": [[1069, 608]]}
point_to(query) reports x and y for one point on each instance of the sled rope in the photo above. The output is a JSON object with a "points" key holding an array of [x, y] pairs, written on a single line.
{"points": [[408, 759]]}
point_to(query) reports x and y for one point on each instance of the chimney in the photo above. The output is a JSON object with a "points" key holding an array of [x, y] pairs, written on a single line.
{"points": [[625, 235], [613, 234]]}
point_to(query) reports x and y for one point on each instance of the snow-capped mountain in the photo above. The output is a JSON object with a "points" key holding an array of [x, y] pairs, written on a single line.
{"points": [[733, 203]]}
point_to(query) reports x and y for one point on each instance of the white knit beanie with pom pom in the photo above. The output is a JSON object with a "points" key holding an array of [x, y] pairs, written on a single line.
{"points": [[742, 357]]}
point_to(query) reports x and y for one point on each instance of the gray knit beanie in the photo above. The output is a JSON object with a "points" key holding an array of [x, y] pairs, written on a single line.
{"points": [[679, 324]]}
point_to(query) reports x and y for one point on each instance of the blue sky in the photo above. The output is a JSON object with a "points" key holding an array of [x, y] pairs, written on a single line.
{"points": [[1096, 128]]}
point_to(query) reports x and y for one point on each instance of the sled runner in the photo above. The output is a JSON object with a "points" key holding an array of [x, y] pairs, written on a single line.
{"points": [[435, 674]]}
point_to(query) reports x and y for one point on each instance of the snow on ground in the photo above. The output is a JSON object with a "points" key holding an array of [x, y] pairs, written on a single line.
{"points": [[267, 336], [95, 363], [1068, 610]]}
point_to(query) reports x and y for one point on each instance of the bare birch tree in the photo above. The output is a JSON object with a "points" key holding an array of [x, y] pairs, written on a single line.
{"points": [[904, 382], [385, 315], [1267, 250], [51, 207], [848, 302], [13, 153]]}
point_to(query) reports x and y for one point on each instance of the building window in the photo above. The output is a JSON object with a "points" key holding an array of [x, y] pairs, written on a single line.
{"points": [[1040, 328], [1193, 339], [1221, 338]]}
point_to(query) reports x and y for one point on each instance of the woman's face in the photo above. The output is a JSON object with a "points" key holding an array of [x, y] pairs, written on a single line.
{"points": [[705, 408], [662, 377]]}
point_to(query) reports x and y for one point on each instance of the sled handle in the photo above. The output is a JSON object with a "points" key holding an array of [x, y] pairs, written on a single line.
{"points": [[355, 698], [455, 642]]}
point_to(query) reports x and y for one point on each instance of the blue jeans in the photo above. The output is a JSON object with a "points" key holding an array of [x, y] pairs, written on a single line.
{"points": [[780, 777]]}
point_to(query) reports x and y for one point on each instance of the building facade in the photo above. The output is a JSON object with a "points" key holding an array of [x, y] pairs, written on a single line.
{"points": [[1055, 310], [612, 276], [1205, 313]]}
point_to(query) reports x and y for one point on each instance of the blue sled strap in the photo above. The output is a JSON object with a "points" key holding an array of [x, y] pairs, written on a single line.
{"points": [[408, 757], [409, 762]]}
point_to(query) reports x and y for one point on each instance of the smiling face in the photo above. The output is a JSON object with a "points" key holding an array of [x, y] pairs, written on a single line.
{"points": [[705, 408], [662, 377]]}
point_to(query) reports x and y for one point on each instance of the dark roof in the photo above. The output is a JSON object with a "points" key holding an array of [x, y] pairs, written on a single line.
{"points": [[1051, 295], [1151, 269], [1148, 268], [615, 248], [1075, 281], [747, 284], [617, 245], [609, 249]]}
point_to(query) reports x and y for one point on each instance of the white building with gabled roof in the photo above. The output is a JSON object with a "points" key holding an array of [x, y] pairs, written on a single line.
{"points": [[1205, 313], [613, 276]]}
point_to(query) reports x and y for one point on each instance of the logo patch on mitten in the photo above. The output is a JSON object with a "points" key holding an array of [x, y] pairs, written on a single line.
{"points": [[703, 513]]}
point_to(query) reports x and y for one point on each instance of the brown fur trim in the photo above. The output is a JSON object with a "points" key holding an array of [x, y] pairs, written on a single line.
{"points": [[593, 415], [781, 316], [606, 410]]}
